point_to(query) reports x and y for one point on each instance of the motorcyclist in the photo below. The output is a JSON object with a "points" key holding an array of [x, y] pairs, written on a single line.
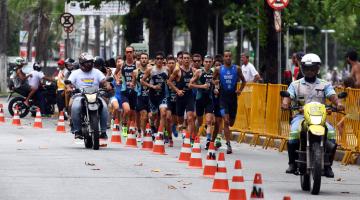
{"points": [[20, 77], [84, 77], [70, 65], [34, 80], [305, 90]]}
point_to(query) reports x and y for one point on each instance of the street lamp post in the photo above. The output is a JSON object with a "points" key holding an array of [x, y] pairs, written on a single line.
{"points": [[326, 31], [305, 28]]}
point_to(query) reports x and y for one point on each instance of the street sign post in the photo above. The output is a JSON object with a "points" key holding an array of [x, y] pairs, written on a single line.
{"points": [[278, 5], [67, 20]]}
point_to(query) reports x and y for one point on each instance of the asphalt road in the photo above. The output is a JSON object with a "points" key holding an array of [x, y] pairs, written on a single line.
{"points": [[42, 164]]}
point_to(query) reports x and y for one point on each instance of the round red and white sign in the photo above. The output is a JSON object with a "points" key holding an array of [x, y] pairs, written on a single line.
{"points": [[278, 4]]}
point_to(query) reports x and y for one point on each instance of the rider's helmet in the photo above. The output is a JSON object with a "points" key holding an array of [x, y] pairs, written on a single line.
{"points": [[37, 66], [86, 62], [310, 65], [69, 63], [19, 61], [100, 64]]}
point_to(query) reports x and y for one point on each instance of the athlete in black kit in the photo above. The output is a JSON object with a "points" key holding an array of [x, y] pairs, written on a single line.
{"points": [[142, 105], [185, 99], [128, 94], [158, 92], [203, 82]]}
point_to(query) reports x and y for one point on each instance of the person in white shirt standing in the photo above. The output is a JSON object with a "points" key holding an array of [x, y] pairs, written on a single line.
{"points": [[248, 69]]}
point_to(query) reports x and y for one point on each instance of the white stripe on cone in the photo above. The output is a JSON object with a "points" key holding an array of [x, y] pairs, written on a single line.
{"points": [[131, 136], [147, 139], [220, 175], [159, 142], [195, 155], [237, 185], [186, 150], [61, 123], [221, 164], [210, 162]]}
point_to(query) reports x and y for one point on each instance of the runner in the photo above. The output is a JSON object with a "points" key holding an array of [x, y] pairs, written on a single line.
{"points": [[179, 59], [128, 94], [203, 82], [171, 109], [185, 100], [142, 105], [228, 75], [115, 101], [158, 92], [216, 137]]}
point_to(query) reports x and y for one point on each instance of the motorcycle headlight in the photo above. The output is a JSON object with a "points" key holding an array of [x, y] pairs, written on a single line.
{"points": [[91, 98], [316, 120]]}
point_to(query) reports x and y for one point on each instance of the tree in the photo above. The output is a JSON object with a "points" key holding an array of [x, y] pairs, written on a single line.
{"points": [[197, 20], [134, 23], [3, 26], [97, 34]]}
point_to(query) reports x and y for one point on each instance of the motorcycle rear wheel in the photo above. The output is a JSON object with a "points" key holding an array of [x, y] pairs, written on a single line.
{"points": [[18, 101]]}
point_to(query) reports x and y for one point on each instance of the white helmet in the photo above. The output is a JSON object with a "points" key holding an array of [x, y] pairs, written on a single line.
{"points": [[310, 59], [310, 65]]}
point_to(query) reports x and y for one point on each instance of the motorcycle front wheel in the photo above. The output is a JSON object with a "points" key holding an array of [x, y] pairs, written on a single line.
{"points": [[316, 168], [94, 123]]}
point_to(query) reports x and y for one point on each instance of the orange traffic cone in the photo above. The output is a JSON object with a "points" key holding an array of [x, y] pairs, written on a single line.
{"points": [[2, 117], [61, 123], [257, 192], [131, 138], [195, 158], [16, 118], [237, 191], [185, 152], [287, 198], [210, 163], [159, 147], [115, 135], [147, 142], [38, 122], [220, 183]]}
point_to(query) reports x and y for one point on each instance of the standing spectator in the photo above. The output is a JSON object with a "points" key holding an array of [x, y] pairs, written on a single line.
{"points": [[294, 66], [299, 74], [352, 59], [248, 69], [60, 95]]}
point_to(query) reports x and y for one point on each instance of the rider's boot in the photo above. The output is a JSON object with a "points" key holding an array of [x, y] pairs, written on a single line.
{"points": [[104, 136], [293, 156], [331, 148]]}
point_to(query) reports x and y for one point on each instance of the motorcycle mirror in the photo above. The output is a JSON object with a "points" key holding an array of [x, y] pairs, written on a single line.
{"points": [[67, 82], [284, 94], [109, 79], [342, 95]]}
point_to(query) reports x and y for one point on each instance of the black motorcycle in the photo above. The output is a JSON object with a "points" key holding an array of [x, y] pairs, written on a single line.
{"points": [[18, 95], [91, 106]]}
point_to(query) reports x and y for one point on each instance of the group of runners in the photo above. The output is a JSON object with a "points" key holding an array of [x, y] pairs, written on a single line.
{"points": [[174, 94]]}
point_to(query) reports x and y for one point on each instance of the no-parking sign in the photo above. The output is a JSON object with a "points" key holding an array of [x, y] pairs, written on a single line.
{"points": [[278, 4]]}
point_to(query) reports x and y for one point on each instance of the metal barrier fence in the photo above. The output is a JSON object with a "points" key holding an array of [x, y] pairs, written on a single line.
{"points": [[259, 114]]}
